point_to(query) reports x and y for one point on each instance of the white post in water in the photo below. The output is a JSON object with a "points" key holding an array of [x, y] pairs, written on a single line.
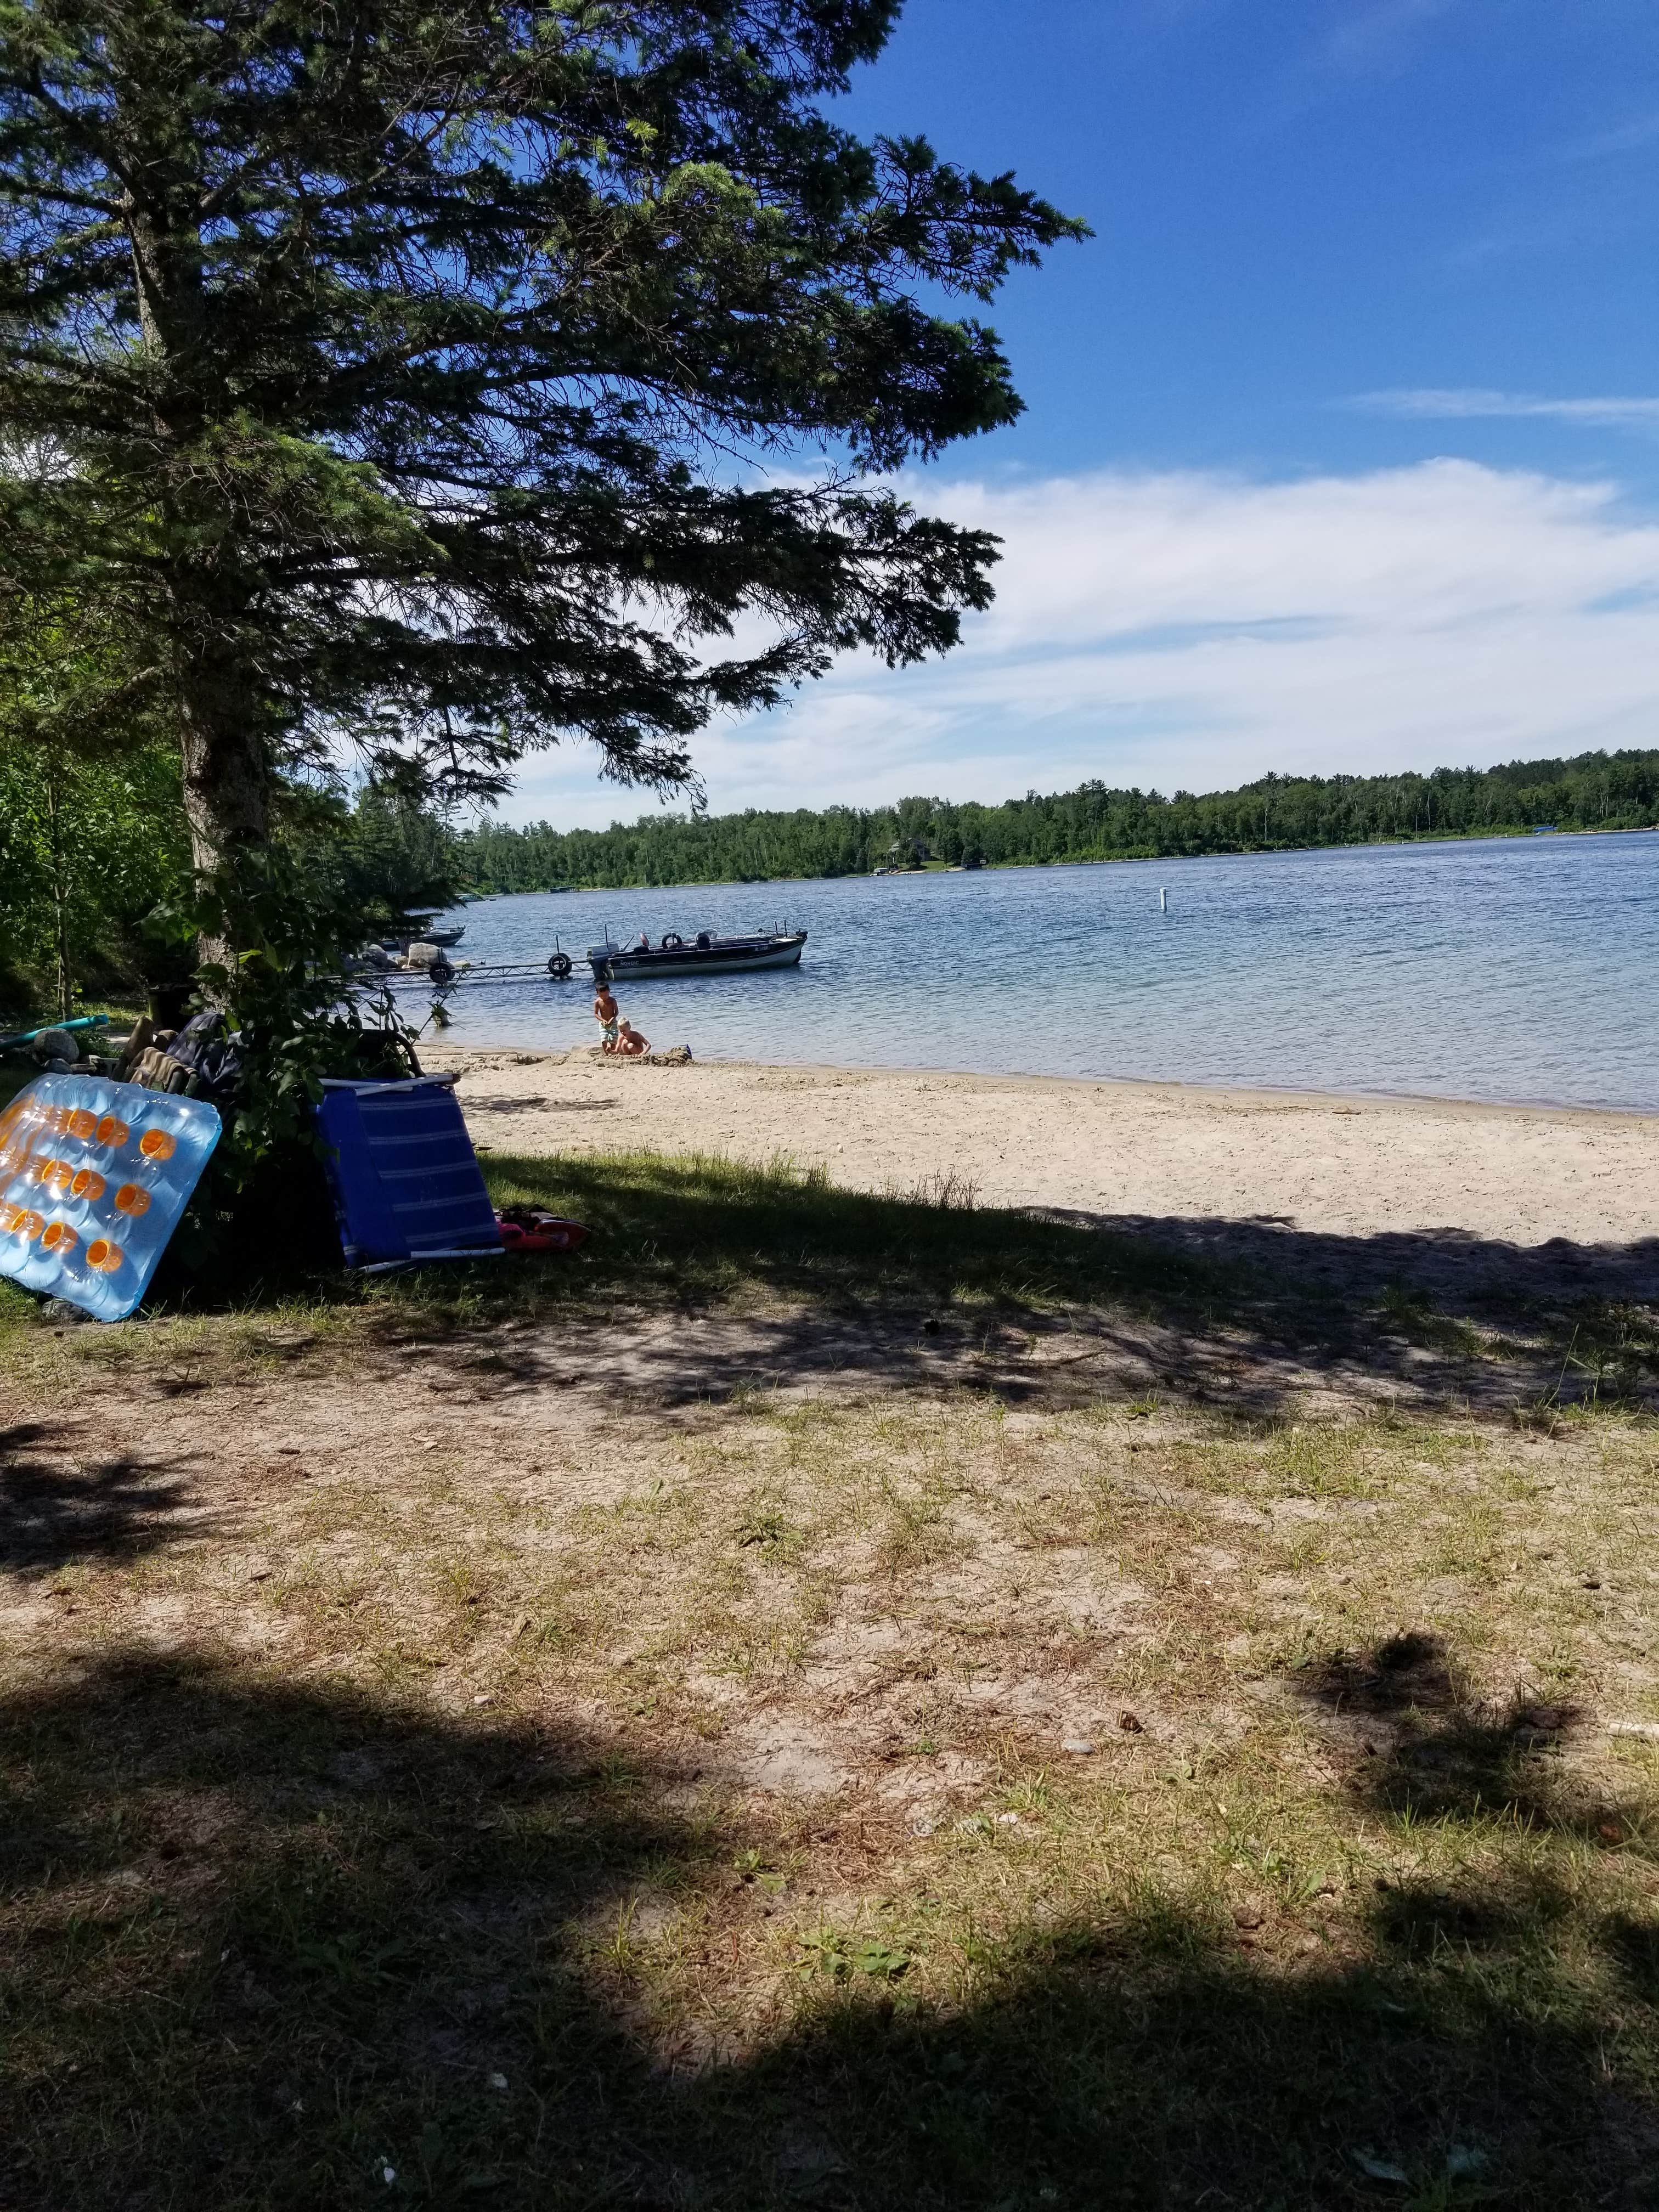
{"points": [[1163, 900]]}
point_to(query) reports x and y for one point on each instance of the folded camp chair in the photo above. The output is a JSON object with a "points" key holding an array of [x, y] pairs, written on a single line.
{"points": [[403, 1175]]}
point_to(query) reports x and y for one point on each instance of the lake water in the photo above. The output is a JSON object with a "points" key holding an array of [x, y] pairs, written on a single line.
{"points": [[1523, 969]]}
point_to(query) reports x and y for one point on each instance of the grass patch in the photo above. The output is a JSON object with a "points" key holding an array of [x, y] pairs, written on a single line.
{"points": [[424, 1752], [711, 1228], [693, 1232]]}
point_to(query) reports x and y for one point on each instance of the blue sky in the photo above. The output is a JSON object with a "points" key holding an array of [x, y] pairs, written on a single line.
{"points": [[1297, 204], [1342, 441]]}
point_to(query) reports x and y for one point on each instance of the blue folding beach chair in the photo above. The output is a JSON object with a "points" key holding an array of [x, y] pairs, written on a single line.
{"points": [[404, 1177]]}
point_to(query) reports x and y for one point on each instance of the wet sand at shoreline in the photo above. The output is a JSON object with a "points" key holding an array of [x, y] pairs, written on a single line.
{"points": [[1353, 1167]]}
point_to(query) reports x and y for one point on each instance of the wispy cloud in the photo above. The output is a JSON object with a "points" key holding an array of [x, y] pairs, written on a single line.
{"points": [[1195, 629], [1370, 37], [1472, 403], [1605, 145]]}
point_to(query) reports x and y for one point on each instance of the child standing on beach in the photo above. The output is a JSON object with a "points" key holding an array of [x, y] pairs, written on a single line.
{"points": [[605, 1012]]}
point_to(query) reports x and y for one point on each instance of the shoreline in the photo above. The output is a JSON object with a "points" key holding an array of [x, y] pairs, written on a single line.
{"points": [[1263, 1092], [1321, 1163]]}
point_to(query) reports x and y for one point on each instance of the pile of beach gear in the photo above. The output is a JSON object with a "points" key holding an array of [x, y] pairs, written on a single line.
{"points": [[99, 1160]]}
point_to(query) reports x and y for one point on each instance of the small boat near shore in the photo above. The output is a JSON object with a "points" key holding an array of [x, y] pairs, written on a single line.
{"points": [[398, 946], [702, 955], [637, 961], [382, 954]]}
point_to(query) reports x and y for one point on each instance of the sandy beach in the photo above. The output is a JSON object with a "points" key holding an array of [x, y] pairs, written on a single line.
{"points": [[1329, 1166]]}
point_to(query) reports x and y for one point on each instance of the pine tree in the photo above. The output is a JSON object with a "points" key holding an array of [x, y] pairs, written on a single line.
{"points": [[400, 368]]}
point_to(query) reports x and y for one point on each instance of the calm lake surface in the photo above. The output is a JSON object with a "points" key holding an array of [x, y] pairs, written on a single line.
{"points": [[1523, 969]]}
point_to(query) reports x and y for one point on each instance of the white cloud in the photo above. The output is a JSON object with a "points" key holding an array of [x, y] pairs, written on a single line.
{"points": [[1473, 403], [1197, 630], [1363, 40]]}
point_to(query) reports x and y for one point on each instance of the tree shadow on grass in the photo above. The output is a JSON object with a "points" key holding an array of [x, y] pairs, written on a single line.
{"points": [[1426, 1748], [707, 1275], [1450, 1266], [1041, 1309], [293, 1946], [64, 1501]]}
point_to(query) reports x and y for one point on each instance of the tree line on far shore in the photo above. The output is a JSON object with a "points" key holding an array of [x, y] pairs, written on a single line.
{"points": [[1592, 791]]}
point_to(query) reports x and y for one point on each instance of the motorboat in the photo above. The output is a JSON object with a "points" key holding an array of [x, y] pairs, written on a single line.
{"points": [[704, 954], [398, 947]]}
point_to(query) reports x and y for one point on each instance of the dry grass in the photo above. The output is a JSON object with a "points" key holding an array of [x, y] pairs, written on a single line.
{"points": [[445, 1736]]}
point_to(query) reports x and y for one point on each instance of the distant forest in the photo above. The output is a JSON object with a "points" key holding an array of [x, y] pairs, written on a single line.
{"points": [[1595, 791]]}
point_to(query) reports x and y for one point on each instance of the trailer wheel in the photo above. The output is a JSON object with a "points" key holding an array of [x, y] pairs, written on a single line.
{"points": [[559, 966]]}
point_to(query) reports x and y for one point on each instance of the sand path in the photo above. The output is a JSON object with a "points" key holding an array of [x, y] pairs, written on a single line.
{"points": [[1334, 1166]]}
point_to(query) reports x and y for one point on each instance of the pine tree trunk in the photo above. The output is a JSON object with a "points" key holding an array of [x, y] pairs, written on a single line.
{"points": [[59, 893], [226, 772], [226, 801]]}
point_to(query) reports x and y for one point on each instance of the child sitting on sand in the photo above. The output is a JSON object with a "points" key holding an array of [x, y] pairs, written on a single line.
{"points": [[606, 1010], [630, 1043]]}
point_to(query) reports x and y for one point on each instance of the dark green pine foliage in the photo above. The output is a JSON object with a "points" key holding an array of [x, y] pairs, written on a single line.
{"points": [[399, 369], [1595, 791]]}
